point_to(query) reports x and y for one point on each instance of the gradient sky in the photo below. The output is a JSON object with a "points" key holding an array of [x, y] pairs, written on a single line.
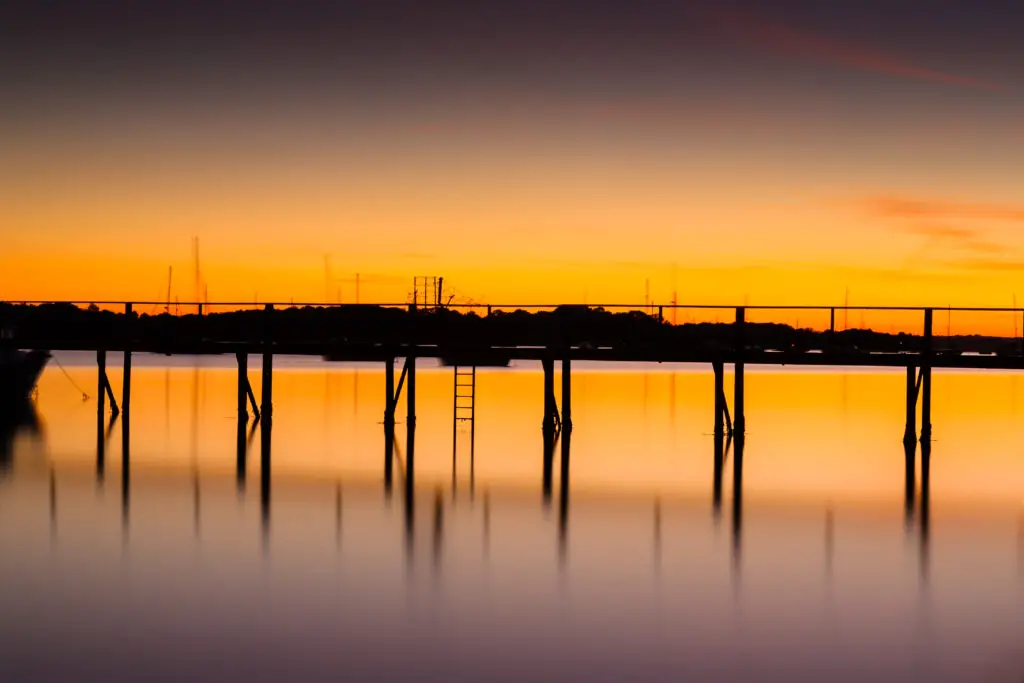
{"points": [[764, 152]]}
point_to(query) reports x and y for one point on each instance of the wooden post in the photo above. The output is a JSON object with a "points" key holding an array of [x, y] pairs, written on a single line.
{"points": [[101, 437], [242, 419], [566, 395], [739, 419], [926, 382], [267, 407], [719, 371], [389, 422], [910, 433], [410, 417], [548, 423], [126, 389], [243, 382]]}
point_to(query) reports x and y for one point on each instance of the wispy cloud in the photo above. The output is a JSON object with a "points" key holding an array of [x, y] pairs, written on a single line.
{"points": [[903, 207], [988, 265], [783, 38], [959, 237]]}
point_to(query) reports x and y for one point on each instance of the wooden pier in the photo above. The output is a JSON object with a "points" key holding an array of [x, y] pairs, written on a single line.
{"points": [[556, 421]]}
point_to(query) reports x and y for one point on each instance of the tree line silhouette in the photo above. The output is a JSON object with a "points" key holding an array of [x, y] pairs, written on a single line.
{"points": [[59, 324]]}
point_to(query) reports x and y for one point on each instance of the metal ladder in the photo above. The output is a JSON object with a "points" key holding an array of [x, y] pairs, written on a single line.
{"points": [[464, 410]]}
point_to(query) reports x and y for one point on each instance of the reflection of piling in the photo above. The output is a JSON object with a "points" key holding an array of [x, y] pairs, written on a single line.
{"points": [[737, 501], [716, 490], [125, 474], [563, 500], [438, 527], [829, 541], [926, 458], [266, 429], [410, 510], [549, 465], [240, 456], [910, 481]]}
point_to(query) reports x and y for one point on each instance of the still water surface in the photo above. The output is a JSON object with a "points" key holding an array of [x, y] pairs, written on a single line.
{"points": [[818, 568]]}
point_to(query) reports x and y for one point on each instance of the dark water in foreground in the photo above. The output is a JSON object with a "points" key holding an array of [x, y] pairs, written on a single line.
{"points": [[815, 568]]}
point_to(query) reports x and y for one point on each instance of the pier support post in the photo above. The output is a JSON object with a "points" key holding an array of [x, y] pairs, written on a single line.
{"points": [[126, 396], [410, 418], [267, 398], [719, 371], [243, 394], [926, 379], [550, 407], [566, 395], [102, 388], [739, 416], [910, 432], [242, 419], [389, 422]]}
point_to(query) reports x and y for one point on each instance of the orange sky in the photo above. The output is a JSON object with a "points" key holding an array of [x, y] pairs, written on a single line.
{"points": [[781, 159]]}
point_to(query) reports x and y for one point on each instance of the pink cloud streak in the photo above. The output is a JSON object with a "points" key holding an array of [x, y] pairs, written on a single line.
{"points": [[786, 39]]}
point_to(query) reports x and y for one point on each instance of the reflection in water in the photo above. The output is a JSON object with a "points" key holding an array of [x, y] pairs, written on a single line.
{"points": [[737, 505], [20, 419], [563, 498], [619, 620]]}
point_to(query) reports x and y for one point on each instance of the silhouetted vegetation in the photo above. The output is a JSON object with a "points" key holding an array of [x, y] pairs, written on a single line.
{"points": [[57, 326]]}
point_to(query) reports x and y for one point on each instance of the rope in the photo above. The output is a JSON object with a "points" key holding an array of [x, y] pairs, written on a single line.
{"points": [[85, 396]]}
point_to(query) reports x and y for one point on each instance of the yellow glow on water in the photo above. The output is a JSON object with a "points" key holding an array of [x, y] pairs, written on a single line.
{"points": [[818, 435]]}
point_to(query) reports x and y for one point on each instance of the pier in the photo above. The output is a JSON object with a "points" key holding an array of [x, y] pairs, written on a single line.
{"points": [[390, 334]]}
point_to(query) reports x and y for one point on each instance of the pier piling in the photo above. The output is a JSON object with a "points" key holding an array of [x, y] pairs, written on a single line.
{"points": [[719, 370], [410, 418], [566, 395], [910, 432], [550, 405], [926, 379], [739, 416], [267, 397], [389, 422]]}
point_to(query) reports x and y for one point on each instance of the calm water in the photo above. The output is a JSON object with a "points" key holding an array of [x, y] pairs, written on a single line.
{"points": [[816, 569]]}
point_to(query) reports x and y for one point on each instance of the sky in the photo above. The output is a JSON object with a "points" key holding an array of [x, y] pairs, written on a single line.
{"points": [[786, 152]]}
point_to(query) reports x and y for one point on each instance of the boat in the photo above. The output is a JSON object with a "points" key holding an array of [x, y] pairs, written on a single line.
{"points": [[19, 371]]}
